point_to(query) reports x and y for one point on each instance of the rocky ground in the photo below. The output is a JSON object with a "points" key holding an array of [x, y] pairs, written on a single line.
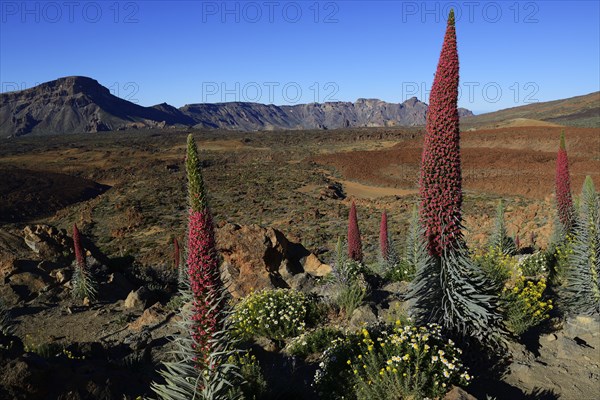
{"points": [[280, 201]]}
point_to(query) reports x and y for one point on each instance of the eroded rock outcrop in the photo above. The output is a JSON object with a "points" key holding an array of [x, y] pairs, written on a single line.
{"points": [[256, 258]]}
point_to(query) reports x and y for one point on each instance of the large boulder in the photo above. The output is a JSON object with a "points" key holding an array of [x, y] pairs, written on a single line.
{"points": [[256, 258], [47, 241]]}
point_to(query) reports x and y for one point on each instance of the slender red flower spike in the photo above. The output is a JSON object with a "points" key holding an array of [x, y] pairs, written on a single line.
{"points": [[79, 254], [354, 241], [383, 236], [564, 200], [441, 181], [202, 257]]}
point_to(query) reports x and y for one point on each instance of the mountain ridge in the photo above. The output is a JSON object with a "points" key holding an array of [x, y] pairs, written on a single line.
{"points": [[78, 104]]}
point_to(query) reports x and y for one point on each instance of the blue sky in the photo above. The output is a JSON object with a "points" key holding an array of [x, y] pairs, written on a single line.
{"points": [[289, 52]]}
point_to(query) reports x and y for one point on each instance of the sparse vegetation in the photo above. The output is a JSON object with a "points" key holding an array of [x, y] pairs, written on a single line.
{"points": [[355, 323]]}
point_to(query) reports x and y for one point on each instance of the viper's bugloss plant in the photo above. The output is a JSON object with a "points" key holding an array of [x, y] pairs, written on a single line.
{"points": [[564, 200], [82, 284], [581, 291], [347, 287], [354, 240], [78, 248], [390, 264], [448, 289], [203, 346], [218, 379], [202, 258], [499, 238], [441, 181]]}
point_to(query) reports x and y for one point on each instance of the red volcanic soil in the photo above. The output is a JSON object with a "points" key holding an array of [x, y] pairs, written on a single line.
{"points": [[27, 194], [505, 161]]}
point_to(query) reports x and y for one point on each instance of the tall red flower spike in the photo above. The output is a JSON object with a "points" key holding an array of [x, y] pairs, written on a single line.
{"points": [[564, 200], [441, 180], [79, 254], [383, 236], [354, 242], [202, 257]]}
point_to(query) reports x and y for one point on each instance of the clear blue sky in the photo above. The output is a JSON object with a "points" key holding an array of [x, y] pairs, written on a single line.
{"points": [[287, 52]]}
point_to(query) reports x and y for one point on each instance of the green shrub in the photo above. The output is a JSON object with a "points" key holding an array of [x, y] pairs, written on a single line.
{"points": [[497, 266], [524, 305], [276, 314], [315, 341], [400, 362], [350, 297], [535, 264], [400, 271], [255, 385]]}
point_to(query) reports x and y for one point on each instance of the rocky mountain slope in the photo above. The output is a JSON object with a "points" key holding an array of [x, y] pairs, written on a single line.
{"points": [[79, 104], [75, 104], [582, 111]]}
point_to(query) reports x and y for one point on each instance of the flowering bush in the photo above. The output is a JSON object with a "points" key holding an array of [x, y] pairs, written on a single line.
{"points": [[534, 264], [315, 341], [524, 304], [408, 362], [276, 314], [497, 266]]}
